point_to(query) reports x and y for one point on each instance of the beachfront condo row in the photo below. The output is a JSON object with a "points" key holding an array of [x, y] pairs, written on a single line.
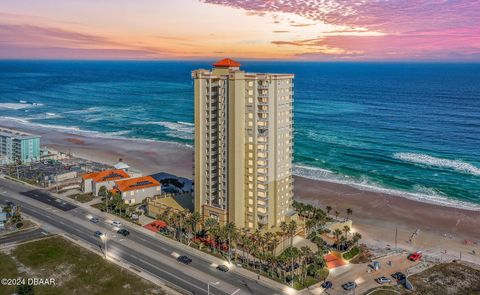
{"points": [[18, 147], [243, 146]]}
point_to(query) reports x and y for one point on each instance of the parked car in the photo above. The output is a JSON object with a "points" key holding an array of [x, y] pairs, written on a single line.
{"points": [[383, 280], [116, 223], [99, 234], [223, 268], [94, 220], [327, 285], [123, 232], [415, 256], [399, 276], [349, 286], [184, 259]]}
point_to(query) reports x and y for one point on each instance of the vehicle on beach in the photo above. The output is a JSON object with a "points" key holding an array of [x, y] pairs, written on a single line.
{"points": [[223, 268], [349, 286], [184, 259], [116, 223], [383, 280], [99, 234], [415, 256], [123, 232], [327, 285], [94, 220]]}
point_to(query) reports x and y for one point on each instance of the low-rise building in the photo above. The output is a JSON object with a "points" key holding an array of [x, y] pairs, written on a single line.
{"points": [[18, 147], [135, 190], [92, 182]]}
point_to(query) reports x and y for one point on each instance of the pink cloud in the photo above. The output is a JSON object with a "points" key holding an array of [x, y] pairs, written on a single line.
{"points": [[23, 40], [425, 29]]}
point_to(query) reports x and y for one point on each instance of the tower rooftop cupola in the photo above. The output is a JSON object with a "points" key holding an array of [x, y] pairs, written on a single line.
{"points": [[226, 63]]}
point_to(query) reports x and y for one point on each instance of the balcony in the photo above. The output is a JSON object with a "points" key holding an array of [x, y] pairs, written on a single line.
{"points": [[263, 86], [262, 220], [262, 119], [263, 95], [263, 102]]}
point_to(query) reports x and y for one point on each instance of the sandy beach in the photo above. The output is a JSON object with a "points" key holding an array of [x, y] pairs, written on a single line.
{"points": [[375, 215]]}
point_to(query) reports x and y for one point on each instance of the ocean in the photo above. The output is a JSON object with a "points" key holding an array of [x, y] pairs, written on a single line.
{"points": [[412, 129]]}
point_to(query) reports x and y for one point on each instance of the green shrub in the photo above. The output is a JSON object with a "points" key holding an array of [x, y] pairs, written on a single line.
{"points": [[352, 253]]}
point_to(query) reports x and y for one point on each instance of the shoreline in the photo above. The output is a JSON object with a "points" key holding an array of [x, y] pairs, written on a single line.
{"points": [[44, 130], [375, 215]]}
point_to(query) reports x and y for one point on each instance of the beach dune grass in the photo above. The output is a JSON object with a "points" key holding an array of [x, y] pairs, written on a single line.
{"points": [[75, 270]]}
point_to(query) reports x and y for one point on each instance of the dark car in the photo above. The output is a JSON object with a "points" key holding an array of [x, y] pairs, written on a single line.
{"points": [[98, 234], [223, 268], [327, 285], [349, 286], [94, 220], [399, 276], [184, 259], [123, 232], [10, 204]]}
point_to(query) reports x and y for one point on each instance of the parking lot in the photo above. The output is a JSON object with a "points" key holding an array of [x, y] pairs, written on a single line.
{"points": [[365, 276]]}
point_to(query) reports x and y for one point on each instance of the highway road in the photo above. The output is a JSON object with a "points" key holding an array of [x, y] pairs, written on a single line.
{"points": [[148, 253], [22, 236]]}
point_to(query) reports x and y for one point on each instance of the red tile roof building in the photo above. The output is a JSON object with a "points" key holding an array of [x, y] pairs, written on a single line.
{"points": [[134, 190], [92, 182]]}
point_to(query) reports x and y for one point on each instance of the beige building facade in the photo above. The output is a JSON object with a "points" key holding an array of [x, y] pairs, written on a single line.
{"points": [[243, 145]]}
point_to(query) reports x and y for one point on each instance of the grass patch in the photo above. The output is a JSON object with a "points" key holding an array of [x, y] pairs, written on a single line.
{"points": [[82, 198], [352, 253], [8, 270], [447, 278], [76, 270]]}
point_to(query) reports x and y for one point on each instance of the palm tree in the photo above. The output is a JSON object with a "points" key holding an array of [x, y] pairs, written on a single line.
{"points": [[306, 255], [329, 208], [356, 238], [349, 212], [346, 230], [231, 232], [284, 231], [292, 230], [210, 226], [337, 233], [336, 214]]}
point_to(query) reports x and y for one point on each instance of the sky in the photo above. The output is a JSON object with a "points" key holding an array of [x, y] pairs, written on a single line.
{"points": [[316, 30]]}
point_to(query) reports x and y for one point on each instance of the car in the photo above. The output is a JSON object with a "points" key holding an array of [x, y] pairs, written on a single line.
{"points": [[184, 259], [399, 276], [327, 285], [415, 256], [94, 220], [123, 232], [383, 280], [116, 223], [349, 286], [223, 268], [99, 234], [10, 204]]}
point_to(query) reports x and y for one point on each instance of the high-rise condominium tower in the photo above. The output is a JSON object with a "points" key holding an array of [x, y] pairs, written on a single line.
{"points": [[243, 146]]}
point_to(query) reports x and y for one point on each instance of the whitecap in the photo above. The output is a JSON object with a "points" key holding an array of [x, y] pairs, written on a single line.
{"points": [[428, 160], [419, 193]]}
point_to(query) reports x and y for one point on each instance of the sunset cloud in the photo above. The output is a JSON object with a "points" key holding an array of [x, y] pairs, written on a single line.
{"points": [[249, 29], [417, 29]]}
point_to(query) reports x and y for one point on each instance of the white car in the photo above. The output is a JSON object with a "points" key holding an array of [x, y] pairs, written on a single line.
{"points": [[116, 223]]}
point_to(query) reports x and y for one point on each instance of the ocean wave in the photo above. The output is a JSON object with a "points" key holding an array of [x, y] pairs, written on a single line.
{"points": [[22, 104], [179, 129], [85, 111], [89, 133], [427, 160], [419, 193]]}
